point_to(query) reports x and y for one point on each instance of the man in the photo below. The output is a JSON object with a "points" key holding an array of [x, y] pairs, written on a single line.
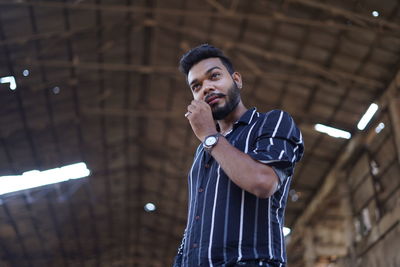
{"points": [[240, 177]]}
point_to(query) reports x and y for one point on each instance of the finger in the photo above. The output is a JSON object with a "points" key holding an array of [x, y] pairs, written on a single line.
{"points": [[198, 102], [191, 108]]}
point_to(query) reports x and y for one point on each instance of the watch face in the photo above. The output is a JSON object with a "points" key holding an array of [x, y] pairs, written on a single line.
{"points": [[210, 141]]}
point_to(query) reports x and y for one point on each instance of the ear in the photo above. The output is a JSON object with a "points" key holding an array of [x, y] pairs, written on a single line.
{"points": [[237, 78]]}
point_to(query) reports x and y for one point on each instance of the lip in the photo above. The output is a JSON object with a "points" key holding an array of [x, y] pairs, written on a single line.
{"points": [[213, 99]]}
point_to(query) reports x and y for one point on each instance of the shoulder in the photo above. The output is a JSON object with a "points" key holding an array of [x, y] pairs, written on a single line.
{"points": [[276, 116], [279, 123], [277, 113]]}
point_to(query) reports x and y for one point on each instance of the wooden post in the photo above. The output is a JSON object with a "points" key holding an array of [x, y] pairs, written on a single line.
{"points": [[347, 212], [309, 247], [394, 111]]}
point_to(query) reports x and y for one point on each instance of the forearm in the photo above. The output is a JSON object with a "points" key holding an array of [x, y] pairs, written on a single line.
{"points": [[244, 171]]}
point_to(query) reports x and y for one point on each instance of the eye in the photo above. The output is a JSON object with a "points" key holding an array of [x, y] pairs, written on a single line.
{"points": [[215, 75], [195, 87]]}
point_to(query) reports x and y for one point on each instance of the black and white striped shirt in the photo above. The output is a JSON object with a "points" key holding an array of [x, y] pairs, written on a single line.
{"points": [[227, 224]]}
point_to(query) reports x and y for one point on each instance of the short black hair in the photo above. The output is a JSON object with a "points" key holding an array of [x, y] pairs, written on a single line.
{"points": [[204, 51]]}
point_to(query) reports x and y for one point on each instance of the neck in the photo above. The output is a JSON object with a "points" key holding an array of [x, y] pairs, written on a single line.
{"points": [[227, 123]]}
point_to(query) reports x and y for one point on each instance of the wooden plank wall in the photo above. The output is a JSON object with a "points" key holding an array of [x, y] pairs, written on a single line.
{"points": [[373, 180]]}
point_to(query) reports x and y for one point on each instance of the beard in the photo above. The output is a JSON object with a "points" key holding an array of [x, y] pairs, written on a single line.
{"points": [[232, 100]]}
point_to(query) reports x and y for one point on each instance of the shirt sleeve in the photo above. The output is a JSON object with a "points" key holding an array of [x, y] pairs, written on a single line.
{"points": [[278, 143]]}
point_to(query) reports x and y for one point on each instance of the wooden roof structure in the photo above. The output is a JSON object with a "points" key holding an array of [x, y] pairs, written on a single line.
{"points": [[103, 87]]}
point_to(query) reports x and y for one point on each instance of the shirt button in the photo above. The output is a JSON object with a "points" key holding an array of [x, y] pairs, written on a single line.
{"points": [[201, 189], [197, 217], [194, 245], [207, 165]]}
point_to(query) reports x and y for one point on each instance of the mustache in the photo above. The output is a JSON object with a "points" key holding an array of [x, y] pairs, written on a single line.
{"points": [[213, 95]]}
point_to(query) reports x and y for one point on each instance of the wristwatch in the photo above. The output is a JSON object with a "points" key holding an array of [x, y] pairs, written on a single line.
{"points": [[210, 141]]}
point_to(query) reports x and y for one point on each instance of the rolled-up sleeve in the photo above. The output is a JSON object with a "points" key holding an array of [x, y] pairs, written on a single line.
{"points": [[278, 143]]}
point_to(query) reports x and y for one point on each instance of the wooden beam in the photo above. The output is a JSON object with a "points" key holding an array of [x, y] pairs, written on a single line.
{"points": [[385, 225], [348, 223], [335, 76], [59, 35], [330, 250], [19, 238], [45, 35], [249, 63], [307, 80], [229, 14], [310, 254], [100, 66], [134, 113], [234, 5], [59, 233], [220, 7], [350, 15], [394, 112]]}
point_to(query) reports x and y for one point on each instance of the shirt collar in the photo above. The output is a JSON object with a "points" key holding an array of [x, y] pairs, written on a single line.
{"points": [[246, 117]]}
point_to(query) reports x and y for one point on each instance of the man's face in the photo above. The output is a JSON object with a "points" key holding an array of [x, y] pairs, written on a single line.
{"points": [[211, 82]]}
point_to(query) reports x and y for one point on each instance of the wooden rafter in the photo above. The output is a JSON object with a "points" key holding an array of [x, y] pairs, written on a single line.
{"points": [[227, 13], [350, 15], [394, 110], [333, 75], [166, 70]]}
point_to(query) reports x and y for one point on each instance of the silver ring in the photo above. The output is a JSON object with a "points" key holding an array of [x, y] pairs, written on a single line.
{"points": [[187, 114]]}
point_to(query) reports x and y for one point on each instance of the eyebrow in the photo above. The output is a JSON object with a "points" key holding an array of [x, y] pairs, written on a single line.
{"points": [[207, 72]]}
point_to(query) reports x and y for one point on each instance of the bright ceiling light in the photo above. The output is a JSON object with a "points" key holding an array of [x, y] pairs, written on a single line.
{"points": [[10, 80], [332, 131], [56, 90], [149, 207], [37, 178], [375, 13], [25, 73], [367, 116], [286, 231], [380, 127]]}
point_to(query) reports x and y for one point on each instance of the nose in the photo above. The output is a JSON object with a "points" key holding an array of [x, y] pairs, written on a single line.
{"points": [[207, 88]]}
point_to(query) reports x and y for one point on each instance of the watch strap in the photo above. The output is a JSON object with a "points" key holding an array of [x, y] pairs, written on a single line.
{"points": [[209, 147]]}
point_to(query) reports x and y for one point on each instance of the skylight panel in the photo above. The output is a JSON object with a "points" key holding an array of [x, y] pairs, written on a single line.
{"points": [[334, 132], [366, 118], [35, 178], [10, 80]]}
